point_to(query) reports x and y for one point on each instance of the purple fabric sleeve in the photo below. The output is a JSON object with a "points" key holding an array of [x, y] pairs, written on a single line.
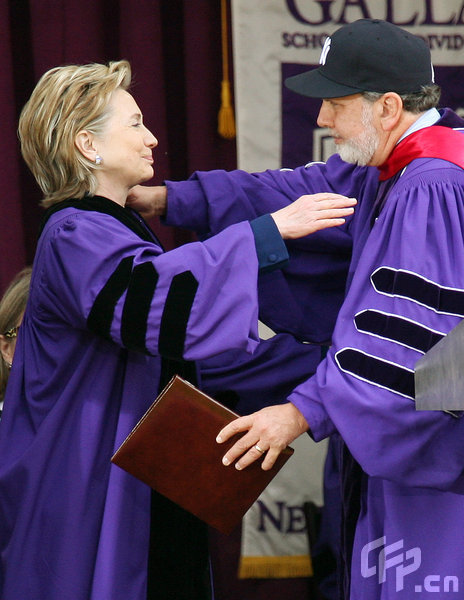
{"points": [[304, 297], [249, 382], [209, 201], [224, 311], [195, 205]]}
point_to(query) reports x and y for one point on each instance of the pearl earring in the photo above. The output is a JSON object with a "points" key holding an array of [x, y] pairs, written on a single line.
{"points": [[98, 159]]}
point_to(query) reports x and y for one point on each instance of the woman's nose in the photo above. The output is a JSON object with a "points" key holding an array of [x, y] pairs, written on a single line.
{"points": [[150, 140]]}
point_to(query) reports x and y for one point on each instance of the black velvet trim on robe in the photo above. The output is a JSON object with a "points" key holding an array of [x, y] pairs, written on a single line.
{"points": [[179, 567], [102, 312], [353, 480], [126, 216], [396, 282], [176, 313], [397, 329], [377, 371], [136, 308]]}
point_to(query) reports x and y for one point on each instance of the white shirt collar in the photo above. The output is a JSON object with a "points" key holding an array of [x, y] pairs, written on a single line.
{"points": [[430, 117]]}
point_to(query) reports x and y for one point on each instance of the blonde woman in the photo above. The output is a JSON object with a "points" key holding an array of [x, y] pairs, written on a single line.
{"points": [[111, 317]]}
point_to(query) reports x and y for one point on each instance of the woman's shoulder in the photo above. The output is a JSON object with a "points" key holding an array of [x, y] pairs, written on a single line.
{"points": [[95, 214]]}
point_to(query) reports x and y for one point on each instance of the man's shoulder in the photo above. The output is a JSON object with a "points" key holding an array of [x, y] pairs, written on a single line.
{"points": [[433, 165], [431, 172]]}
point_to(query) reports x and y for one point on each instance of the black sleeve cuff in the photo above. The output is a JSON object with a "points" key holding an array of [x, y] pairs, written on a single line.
{"points": [[270, 247]]}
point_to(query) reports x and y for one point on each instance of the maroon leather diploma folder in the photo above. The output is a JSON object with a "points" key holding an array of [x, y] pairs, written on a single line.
{"points": [[173, 449]]}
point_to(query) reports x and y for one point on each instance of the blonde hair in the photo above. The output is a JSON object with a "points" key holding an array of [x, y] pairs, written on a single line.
{"points": [[12, 307], [67, 100]]}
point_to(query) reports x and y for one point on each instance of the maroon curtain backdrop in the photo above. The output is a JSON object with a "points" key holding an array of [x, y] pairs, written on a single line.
{"points": [[174, 47]]}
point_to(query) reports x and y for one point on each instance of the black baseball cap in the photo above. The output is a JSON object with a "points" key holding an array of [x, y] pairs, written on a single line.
{"points": [[368, 55]]}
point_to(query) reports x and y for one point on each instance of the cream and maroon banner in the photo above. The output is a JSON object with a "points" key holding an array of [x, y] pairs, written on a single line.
{"points": [[274, 39]]}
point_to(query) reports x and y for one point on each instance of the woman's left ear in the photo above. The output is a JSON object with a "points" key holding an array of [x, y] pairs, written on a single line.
{"points": [[84, 143]]}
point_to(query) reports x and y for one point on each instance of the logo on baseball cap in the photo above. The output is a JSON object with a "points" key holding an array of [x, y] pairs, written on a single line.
{"points": [[368, 55]]}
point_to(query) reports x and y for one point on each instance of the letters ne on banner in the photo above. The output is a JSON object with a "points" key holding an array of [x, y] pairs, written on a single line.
{"points": [[274, 39]]}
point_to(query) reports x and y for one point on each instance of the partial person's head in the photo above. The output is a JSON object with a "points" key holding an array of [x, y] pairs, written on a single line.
{"points": [[12, 306], [81, 132], [374, 79]]}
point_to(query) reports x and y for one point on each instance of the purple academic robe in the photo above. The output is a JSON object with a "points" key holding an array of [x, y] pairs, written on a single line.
{"points": [[105, 303], [405, 290]]}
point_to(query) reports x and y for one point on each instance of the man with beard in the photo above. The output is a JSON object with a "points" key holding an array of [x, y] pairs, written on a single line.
{"points": [[402, 470]]}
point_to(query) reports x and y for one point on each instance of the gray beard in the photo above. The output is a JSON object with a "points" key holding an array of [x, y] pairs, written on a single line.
{"points": [[362, 148]]}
